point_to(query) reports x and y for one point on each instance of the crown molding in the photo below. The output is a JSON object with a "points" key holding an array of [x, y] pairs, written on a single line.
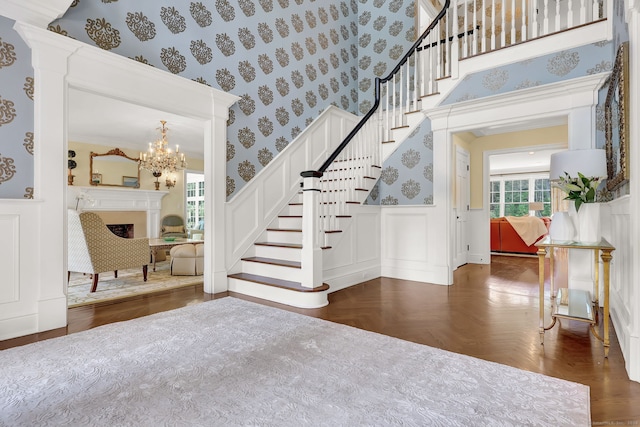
{"points": [[35, 12], [530, 104]]}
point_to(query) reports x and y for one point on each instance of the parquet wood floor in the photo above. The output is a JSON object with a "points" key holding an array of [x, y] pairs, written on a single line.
{"points": [[491, 312]]}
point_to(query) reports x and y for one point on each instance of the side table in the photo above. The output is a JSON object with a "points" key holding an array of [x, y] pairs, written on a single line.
{"points": [[575, 304]]}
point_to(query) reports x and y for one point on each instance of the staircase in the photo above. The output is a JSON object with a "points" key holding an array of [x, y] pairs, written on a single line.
{"points": [[285, 264], [272, 269]]}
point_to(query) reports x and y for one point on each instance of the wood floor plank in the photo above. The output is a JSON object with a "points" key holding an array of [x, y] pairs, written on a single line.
{"points": [[491, 312]]}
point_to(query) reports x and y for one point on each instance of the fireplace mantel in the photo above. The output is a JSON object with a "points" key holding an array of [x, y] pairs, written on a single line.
{"points": [[119, 199]]}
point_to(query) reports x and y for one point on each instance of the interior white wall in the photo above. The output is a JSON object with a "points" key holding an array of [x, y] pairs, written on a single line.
{"points": [[631, 348]]}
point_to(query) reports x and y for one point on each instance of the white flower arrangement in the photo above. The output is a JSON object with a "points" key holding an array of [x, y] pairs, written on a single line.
{"points": [[581, 189]]}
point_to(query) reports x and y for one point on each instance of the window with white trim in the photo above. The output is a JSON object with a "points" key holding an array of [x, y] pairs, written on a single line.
{"points": [[510, 195], [195, 201]]}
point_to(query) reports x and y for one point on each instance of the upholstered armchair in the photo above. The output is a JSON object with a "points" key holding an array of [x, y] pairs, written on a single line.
{"points": [[94, 249], [173, 226]]}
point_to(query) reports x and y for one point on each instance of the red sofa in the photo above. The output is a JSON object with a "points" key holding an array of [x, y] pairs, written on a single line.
{"points": [[505, 239]]}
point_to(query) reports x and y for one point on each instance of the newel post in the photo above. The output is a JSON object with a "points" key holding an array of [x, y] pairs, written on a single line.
{"points": [[311, 257]]}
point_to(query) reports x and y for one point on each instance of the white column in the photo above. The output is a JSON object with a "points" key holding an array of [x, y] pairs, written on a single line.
{"points": [[311, 257], [215, 184], [50, 64], [442, 195]]}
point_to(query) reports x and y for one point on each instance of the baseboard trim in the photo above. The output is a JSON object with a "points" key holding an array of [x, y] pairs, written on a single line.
{"points": [[438, 276], [342, 281]]}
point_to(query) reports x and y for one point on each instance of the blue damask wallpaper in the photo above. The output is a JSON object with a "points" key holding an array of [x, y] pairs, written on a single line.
{"points": [[551, 68], [16, 114], [287, 59], [386, 31], [407, 175]]}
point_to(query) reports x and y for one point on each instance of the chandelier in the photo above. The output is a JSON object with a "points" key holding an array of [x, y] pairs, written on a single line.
{"points": [[160, 159]]}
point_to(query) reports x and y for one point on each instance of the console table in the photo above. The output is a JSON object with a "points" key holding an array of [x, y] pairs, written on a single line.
{"points": [[575, 304]]}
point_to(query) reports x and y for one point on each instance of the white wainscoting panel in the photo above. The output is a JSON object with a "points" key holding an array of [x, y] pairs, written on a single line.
{"points": [[411, 248], [355, 255], [28, 302], [262, 199], [616, 225], [479, 237], [10, 258]]}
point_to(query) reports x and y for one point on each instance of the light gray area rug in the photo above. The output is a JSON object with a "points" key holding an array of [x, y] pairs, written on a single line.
{"points": [[230, 362]]}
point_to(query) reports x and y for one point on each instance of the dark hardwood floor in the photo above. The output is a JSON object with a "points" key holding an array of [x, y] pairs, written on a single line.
{"points": [[491, 312]]}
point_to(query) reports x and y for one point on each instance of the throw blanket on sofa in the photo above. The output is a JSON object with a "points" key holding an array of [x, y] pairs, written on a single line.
{"points": [[529, 228]]}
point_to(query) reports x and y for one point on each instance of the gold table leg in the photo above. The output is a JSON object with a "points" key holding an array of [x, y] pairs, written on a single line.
{"points": [[606, 258], [542, 252]]}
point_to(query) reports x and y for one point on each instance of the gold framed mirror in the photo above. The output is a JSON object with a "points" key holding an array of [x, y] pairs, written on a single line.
{"points": [[114, 169], [615, 117]]}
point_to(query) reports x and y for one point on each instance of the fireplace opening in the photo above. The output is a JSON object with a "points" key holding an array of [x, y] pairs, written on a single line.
{"points": [[122, 230]]}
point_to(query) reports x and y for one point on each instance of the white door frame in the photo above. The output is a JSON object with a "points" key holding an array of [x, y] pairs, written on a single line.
{"points": [[60, 63], [461, 211]]}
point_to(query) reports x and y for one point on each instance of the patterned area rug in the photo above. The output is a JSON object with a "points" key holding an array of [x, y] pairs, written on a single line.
{"points": [[129, 283], [230, 362]]}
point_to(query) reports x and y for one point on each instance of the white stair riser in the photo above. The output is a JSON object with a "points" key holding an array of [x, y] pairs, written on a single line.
{"points": [[414, 119], [270, 270], [283, 296], [292, 210], [289, 254], [289, 223], [284, 237]]}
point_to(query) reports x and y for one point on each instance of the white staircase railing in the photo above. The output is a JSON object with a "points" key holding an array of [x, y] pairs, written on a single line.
{"points": [[465, 29]]}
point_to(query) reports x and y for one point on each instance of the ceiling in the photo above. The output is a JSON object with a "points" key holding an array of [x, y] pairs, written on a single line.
{"points": [[524, 161], [106, 121]]}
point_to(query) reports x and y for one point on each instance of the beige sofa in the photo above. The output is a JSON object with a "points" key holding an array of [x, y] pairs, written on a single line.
{"points": [[187, 260]]}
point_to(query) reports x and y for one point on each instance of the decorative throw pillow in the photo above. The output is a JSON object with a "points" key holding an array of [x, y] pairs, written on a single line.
{"points": [[173, 229]]}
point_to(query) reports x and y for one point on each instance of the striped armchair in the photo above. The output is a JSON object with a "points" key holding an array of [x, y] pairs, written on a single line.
{"points": [[94, 249]]}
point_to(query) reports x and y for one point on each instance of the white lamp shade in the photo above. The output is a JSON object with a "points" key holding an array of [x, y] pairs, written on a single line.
{"points": [[590, 163]]}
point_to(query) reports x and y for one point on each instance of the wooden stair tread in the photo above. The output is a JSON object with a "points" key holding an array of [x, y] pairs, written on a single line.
{"points": [[278, 283], [289, 216], [285, 245], [273, 261], [286, 230], [280, 245]]}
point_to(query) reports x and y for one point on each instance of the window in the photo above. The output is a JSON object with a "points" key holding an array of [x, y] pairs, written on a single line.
{"points": [[516, 197], [494, 199], [542, 193], [191, 189], [195, 201], [510, 195]]}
